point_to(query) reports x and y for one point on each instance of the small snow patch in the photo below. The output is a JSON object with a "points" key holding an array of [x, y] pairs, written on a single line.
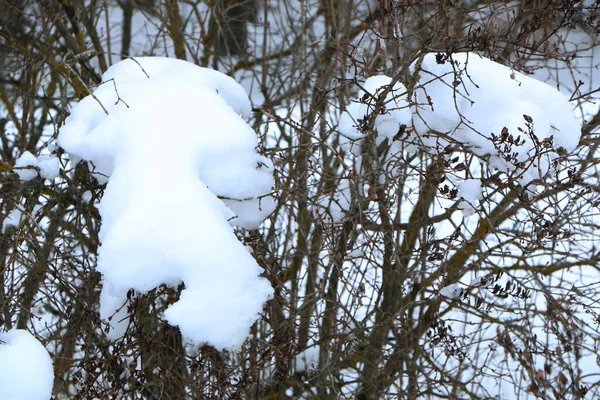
{"points": [[26, 371], [27, 166], [13, 219], [470, 193], [453, 291]]}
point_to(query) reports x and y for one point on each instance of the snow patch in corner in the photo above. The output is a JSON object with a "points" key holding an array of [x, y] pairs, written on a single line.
{"points": [[26, 371]]}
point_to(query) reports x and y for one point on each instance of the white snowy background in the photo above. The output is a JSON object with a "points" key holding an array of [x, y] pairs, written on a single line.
{"points": [[173, 143]]}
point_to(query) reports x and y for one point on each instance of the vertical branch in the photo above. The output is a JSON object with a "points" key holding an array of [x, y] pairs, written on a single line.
{"points": [[8, 195], [93, 34], [37, 271], [162, 351], [310, 296], [127, 7], [176, 28], [79, 321]]}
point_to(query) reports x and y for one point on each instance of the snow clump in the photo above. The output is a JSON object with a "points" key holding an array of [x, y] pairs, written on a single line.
{"points": [[511, 120], [181, 165], [453, 291], [26, 371], [26, 165], [381, 97], [389, 120], [495, 111]]}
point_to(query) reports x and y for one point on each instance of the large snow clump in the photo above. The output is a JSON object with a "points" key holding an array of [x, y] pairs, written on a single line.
{"points": [[26, 371], [482, 104], [181, 165], [511, 120]]}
